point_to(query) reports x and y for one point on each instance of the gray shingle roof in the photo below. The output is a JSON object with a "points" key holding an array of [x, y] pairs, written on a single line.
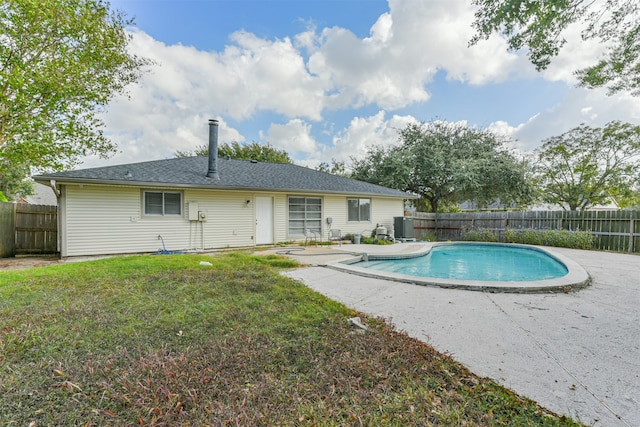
{"points": [[234, 175]]}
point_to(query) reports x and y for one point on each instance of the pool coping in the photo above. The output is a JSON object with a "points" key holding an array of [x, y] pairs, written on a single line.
{"points": [[576, 278]]}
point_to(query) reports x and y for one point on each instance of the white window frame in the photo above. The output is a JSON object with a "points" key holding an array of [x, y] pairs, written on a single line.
{"points": [[359, 200], [164, 203], [311, 220]]}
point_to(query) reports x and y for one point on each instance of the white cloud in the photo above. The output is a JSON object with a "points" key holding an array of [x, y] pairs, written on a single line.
{"points": [[248, 75], [364, 133], [294, 137], [361, 134], [591, 107], [435, 34], [588, 113], [504, 129], [407, 46], [302, 76]]}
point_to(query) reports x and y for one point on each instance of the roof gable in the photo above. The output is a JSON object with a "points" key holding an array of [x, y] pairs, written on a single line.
{"points": [[234, 175]]}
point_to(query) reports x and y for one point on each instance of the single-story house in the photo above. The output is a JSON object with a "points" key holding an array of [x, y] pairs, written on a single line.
{"points": [[207, 203]]}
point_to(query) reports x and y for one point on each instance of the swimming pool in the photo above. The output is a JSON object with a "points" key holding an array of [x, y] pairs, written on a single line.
{"points": [[569, 274], [476, 262]]}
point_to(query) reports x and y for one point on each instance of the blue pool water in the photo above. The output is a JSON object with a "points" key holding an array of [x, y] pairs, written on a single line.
{"points": [[476, 262]]}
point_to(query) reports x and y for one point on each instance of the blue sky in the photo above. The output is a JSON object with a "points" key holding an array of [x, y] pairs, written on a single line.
{"points": [[326, 79]]}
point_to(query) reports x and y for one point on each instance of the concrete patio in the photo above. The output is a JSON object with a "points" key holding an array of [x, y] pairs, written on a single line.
{"points": [[575, 353]]}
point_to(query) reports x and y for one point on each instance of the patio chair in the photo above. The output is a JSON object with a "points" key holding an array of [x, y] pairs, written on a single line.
{"points": [[335, 235], [310, 236]]}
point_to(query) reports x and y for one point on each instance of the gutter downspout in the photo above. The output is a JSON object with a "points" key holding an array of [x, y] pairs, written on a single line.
{"points": [[57, 192], [52, 183]]}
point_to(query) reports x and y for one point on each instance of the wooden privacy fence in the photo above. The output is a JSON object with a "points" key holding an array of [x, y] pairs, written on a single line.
{"points": [[28, 229], [7, 227], [614, 230], [36, 229]]}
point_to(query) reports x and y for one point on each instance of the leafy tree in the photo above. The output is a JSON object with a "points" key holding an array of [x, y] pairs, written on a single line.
{"points": [[235, 150], [387, 166], [539, 24], [61, 62], [336, 168], [200, 150], [446, 163], [12, 182], [588, 166]]}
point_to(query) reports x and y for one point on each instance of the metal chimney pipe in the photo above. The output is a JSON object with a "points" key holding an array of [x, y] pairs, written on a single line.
{"points": [[213, 150]]}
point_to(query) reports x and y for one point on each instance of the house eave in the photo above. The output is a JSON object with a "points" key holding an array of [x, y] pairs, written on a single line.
{"points": [[45, 179]]}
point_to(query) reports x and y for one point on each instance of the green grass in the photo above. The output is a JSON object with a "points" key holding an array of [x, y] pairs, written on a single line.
{"points": [[163, 340]]}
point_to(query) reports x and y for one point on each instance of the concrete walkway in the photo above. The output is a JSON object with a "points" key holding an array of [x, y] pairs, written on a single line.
{"points": [[576, 354]]}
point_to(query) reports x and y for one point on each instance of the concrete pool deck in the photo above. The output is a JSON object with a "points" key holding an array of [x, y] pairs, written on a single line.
{"points": [[575, 353]]}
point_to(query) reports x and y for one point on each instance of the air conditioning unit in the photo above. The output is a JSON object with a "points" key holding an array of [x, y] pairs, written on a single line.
{"points": [[403, 228]]}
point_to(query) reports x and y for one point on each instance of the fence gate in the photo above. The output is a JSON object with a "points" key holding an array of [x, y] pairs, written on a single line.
{"points": [[7, 226], [36, 229]]}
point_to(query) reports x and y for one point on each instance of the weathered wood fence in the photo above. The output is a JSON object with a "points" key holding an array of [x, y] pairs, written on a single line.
{"points": [[7, 229], [614, 230], [28, 229]]}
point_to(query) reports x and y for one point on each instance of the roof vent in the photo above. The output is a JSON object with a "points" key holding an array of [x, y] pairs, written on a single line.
{"points": [[212, 172], [254, 161]]}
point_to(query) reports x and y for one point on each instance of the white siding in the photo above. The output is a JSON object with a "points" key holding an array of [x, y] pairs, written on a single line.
{"points": [[109, 220], [101, 219]]}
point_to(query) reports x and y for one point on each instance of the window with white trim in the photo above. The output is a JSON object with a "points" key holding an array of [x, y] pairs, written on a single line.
{"points": [[162, 203], [304, 213], [359, 210]]}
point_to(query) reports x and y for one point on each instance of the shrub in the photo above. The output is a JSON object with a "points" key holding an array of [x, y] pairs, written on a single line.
{"points": [[481, 235], [429, 236], [374, 241], [558, 238], [529, 236]]}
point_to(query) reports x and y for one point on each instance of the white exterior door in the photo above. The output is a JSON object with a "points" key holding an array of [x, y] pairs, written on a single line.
{"points": [[264, 221]]}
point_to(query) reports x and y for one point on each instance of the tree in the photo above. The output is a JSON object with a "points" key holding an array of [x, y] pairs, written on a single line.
{"points": [[235, 150], [387, 166], [588, 166], [335, 168], [12, 183], [446, 163], [539, 25], [200, 150], [61, 62]]}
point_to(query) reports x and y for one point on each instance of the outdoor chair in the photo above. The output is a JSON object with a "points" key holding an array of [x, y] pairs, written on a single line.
{"points": [[335, 235], [310, 236]]}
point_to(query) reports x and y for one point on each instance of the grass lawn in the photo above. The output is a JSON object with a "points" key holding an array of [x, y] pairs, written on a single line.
{"points": [[163, 340]]}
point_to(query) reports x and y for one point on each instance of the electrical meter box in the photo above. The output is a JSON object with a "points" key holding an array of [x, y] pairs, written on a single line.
{"points": [[202, 215], [193, 211]]}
